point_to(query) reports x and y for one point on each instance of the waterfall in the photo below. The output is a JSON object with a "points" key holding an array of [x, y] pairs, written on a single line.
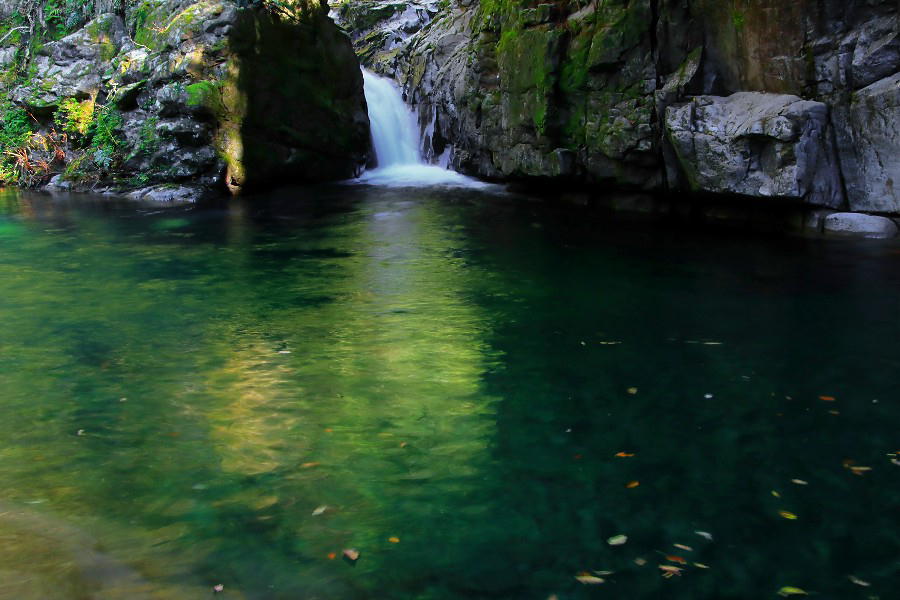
{"points": [[395, 138], [393, 124]]}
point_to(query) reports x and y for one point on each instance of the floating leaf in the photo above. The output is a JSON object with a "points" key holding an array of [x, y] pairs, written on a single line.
{"points": [[860, 470], [632, 390], [394, 539], [351, 554], [319, 510], [617, 540], [827, 398], [776, 494], [701, 566], [632, 484], [896, 461], [788, 515], [799, 482], [676, 559], [683, 547], [859, 581], [623, 455], [309, 465], [588, 579], [640, 562], [705, 534], [670, 571], [332, 556], [789, 590], [603, 573]]}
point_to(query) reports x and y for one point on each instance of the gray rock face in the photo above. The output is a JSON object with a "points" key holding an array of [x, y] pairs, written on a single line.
{"points": [[757, 145], [72, 67], [860, 225], [869, 143]]}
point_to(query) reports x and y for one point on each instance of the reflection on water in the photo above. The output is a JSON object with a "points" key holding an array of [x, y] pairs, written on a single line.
{"points": [[442, 380]]}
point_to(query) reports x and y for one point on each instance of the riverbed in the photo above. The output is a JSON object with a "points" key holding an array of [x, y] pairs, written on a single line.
{"points": [[483, 395]]}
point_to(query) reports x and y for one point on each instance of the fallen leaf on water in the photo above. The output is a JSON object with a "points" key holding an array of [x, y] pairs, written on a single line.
{"points": [[789, 590], [834, 412], [896, 461], [776, 494], [799, 482], [329, 430], [701, 566], [632, 484], [604, 573], [623, 455], [319, 510], [827, 398], [640, 562], [860, 470], [676, 559], [670, 571], [588, 579], [403, 444], [617, 540], [351, 554], [788, 515], [309, 465], [332, 556], [632, 390], [683, 547], [859, 581], [394, 539], [705, 534]]}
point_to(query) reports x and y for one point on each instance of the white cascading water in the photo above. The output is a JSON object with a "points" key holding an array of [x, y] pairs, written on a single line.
{"points": [[396, 141]]}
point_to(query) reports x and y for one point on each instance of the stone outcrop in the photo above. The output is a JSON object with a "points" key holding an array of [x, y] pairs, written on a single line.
{"points": [[200, 92], [755, 144]]}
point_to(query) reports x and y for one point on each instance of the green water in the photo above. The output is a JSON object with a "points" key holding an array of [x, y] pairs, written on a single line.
{"points": [[182, 389]]}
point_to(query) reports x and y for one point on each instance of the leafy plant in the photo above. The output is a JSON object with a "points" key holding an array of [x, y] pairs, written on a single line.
{"points": [[75, 117]]}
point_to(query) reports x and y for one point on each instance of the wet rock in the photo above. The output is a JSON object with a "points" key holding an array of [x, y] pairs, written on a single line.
{"points": [[757, 145], [860, 225], [169, 194]]}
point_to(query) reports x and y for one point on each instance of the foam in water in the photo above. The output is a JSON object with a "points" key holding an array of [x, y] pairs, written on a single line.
{"points": [[396, 141]]}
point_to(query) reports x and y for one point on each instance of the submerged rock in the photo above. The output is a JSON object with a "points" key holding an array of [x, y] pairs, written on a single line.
{"points": [[860, 225]]}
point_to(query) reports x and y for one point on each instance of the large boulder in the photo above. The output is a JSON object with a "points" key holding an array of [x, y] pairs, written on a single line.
{"points": [[757, 145], [869, 143]]}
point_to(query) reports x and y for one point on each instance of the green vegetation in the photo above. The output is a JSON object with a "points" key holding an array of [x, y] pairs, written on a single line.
{"points": [[74, 117], [15, 131]]}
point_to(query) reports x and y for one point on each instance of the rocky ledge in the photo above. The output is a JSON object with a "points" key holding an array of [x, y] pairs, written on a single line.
{"points": [[759, 100]]}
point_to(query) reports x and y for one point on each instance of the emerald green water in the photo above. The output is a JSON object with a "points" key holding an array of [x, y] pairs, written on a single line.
{"points": [[181, 389]]}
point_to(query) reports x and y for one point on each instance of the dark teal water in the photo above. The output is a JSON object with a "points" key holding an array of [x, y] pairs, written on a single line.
{"points": [[182, 389]]}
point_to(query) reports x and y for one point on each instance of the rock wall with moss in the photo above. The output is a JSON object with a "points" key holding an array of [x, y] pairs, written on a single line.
{"points": [[756, 99], [157, 94]]}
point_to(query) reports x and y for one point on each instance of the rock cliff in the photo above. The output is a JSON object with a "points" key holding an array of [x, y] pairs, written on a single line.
{"points": [[796, 102], [197, 93]]}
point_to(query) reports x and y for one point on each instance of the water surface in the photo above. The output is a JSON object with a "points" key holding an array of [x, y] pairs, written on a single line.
{"points": [[440, 379]]}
